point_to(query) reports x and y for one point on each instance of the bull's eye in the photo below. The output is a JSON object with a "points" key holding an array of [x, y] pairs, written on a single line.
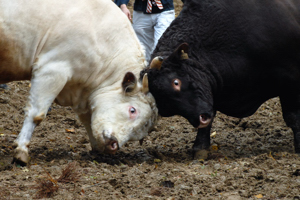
{"points": [[176, 84], [132, 112]]}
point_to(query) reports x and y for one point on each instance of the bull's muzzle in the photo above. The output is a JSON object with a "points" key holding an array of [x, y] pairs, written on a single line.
{"points": [[111, 145], [204, 120]]}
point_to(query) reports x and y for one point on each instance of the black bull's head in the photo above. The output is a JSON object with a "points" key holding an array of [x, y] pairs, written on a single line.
{"points": [[180, 87]]}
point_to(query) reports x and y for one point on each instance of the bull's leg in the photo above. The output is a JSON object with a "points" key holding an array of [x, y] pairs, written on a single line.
{"points": [[86, 121], [202, 143], [46, 83], [291, 114]]}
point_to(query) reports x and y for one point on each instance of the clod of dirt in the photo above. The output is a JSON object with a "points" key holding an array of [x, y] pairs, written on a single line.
{"points": [[297, 172], [168, 184], [156, 191]]}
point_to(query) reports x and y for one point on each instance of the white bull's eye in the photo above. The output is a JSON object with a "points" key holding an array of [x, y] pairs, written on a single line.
{"points": [[176, 82], [132, 110]]}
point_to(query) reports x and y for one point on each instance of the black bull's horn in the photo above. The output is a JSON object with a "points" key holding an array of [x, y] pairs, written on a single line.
{"points": [[157, 61]]}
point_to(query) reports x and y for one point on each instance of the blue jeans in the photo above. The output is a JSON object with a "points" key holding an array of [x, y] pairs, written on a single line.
{"points": [[150, 27]]}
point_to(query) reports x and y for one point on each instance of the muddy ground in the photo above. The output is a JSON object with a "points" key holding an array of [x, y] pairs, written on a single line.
{"points": [[251, 158]]}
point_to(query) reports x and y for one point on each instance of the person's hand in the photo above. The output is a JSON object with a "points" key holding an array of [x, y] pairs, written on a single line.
{"points": [[126, 11]]}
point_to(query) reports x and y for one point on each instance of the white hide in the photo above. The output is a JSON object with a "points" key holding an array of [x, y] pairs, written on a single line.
{"points": [[75, 52]]}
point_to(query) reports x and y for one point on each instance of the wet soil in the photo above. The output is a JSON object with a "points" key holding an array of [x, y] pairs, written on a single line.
{"points": [[251, 158]]}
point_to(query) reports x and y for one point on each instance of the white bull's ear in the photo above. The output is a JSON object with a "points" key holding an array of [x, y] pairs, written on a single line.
{"points": [[145, 89], [129, 82]]}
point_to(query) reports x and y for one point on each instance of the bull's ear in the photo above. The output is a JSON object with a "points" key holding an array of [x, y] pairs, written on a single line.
{"points": [[181, 53], [156, 62], [129, 82], [145, 89]]}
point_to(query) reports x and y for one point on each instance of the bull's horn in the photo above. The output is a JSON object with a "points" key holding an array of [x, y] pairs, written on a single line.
{"points": [[156, 62], [145, 89], [184, 55]]}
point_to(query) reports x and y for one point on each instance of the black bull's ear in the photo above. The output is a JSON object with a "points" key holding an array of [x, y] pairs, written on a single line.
{"points": [[181, 53]]}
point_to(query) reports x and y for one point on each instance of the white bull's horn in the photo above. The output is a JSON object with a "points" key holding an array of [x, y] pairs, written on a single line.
{"points": [[145, 89], [156, 62]]}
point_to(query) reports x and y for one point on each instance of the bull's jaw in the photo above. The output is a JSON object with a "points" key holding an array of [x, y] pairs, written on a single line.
{"points": [[97, 142]]}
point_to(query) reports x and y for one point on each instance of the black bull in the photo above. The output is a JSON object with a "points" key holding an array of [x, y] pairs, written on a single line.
{"points": [[230, 56]]}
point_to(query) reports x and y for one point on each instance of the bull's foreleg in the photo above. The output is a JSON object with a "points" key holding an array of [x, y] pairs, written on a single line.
{"points": [[46, 84], [86, 121], [291, 114], [202, 143]]}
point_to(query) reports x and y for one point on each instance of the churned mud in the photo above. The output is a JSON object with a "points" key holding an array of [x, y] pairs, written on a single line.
{"points": [[251, 158]]}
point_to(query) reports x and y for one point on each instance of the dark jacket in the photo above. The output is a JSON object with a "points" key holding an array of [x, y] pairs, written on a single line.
{"points": [[140, 5]]}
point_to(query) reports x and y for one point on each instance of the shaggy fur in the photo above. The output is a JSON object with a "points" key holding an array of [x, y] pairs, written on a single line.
{"points": [[241, 53]]}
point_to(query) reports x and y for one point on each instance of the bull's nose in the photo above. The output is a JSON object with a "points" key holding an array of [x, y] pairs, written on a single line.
{"points": [[204, 120], [111, 145]]}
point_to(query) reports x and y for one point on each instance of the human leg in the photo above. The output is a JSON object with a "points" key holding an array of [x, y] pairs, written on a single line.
{"points": [[163, 21], [143, 27]]}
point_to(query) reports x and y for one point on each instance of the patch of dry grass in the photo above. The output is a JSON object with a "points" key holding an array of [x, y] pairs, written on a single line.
{"points": [[47, 186]]}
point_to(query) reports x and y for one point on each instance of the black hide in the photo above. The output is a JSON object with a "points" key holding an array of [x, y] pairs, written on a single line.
{"points": [[240, 54]]}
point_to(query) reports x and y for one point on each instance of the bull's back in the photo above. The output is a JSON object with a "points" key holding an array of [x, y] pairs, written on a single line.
{"points": [[30, 29], [22, 26]]}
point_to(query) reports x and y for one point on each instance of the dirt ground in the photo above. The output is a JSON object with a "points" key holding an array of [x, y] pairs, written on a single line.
{"points": [[251, 158]]}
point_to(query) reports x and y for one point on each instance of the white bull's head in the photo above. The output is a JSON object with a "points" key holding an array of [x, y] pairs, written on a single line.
{"points": [[122, 114]]}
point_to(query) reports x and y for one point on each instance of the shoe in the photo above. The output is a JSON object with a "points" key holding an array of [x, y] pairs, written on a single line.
{"points": [[3, 86]]}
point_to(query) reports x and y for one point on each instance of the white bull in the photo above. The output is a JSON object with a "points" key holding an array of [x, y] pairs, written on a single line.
{"points": [[82, 54]]}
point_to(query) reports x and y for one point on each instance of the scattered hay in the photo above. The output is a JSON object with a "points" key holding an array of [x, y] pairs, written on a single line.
{"points": [[47, 186], [69, 174]]}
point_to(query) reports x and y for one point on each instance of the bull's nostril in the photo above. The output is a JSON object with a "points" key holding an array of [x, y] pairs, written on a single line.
{"points": [[203, 117], [111, 144], [114, 146], [204, 120]]}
